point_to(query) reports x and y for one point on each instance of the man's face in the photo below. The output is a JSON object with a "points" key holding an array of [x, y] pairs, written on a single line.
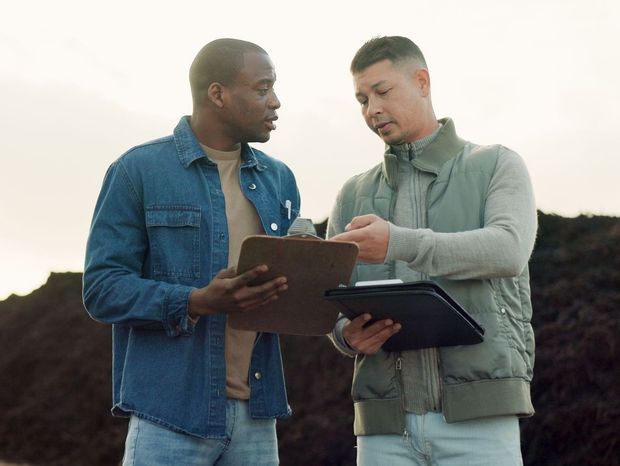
{"points": [[392, 99], [252, 102]]}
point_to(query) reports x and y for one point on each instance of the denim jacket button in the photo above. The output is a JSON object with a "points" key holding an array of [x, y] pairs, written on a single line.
{"points": [[258, 375], [252, 186], [274, 226]]}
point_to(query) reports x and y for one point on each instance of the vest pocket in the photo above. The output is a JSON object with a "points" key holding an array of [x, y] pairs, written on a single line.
{"points": [[174, 235], [375, 377]]}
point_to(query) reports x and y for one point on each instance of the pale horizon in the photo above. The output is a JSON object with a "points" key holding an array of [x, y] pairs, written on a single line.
{"points": [[80, 84]]}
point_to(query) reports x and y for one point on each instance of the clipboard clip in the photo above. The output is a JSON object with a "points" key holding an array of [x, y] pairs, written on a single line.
{"points": [[303, 236], [302, 226]]}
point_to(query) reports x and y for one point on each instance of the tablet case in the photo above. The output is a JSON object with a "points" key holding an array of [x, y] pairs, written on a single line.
{"points": [[311, 265], [428, 315]]}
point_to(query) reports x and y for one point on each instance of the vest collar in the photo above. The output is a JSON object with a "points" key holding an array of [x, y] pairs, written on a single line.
{"points": [[445, 146]]}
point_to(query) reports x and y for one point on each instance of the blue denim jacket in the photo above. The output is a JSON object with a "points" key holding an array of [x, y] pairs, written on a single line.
{"points": [[159, 230]]}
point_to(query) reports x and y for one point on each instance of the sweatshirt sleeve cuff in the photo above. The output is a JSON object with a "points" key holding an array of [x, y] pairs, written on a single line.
{"points": [[403, 243], [339, 342]]}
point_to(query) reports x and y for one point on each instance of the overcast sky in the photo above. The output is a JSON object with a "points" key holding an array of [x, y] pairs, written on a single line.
{"points": [[81, 82]]}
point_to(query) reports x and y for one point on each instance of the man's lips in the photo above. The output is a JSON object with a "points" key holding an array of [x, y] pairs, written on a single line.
{"points": [[383, 127], [270, 122]]}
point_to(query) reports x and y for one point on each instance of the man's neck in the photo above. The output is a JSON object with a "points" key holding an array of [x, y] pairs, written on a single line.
{"points": [[431, 127], [210, 133]]}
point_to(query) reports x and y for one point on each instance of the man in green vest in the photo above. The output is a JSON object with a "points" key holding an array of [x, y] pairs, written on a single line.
{"points": [[463, 215]]}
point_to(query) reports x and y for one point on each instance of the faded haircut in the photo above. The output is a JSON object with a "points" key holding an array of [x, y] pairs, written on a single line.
{"points": [[393, 48], [219, 61]]}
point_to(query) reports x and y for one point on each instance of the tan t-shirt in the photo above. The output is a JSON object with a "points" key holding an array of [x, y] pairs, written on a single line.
{"points": [[242, 221]]}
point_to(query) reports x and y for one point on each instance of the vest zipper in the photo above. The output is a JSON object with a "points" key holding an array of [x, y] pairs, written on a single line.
{"points": [[392, 264], [432, 355], [399, 380], [428, 197]]}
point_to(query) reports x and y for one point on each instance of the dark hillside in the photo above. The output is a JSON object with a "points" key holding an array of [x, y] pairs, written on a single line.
{"points": [[55, 368], [55, 393], [575, 274]]}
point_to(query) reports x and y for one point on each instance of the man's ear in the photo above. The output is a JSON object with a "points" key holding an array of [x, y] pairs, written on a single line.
{"points": [[215, 94], [423, 80]]}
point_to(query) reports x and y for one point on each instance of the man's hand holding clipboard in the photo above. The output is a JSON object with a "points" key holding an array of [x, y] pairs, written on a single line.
{"points": [[311, 265]]}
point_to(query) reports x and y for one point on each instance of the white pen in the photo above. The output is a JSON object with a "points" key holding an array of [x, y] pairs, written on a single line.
{"points": [[287, 204]]}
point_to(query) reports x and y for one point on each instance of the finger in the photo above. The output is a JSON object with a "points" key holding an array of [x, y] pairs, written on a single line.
{"points": [[276, 285], [353, 331], [372, 344], [354, 236], [257, 294], [360, 222], [271, 285], [373, 334], [246, 277], [359, 322], [230, 272], [255, 303], [376, 327], [340, 237], [271, 299], [267, 294]]}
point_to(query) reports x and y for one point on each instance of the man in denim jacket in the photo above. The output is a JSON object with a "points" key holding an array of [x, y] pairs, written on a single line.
{"points": [[165, 237]]}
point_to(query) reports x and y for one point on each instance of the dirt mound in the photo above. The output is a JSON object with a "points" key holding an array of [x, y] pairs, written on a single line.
{"points": [[55, 394], [575, 274], [55, 391]]}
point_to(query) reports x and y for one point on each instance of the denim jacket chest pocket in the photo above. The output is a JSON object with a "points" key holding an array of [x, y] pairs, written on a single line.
{"points": [[174, 236]]}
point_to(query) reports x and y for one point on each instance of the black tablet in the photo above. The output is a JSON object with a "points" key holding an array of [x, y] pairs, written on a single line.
{"points": [[428, 315]]}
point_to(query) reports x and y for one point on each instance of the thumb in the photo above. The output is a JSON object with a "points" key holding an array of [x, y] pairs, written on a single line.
{"points": [[230, 272], [360, 222]]}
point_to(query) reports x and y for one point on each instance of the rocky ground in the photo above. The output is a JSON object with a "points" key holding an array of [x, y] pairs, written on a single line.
{"points": [[55, 368]]}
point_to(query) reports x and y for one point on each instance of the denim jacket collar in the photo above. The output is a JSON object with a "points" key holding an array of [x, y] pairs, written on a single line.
{"points": [[189, 149]]}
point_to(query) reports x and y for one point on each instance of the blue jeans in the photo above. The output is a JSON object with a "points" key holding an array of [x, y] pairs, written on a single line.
{"points": [[431, 441], [248, 442]]}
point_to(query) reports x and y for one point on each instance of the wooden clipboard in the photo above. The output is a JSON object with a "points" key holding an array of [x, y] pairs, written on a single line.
{"points": [[311, 265]]}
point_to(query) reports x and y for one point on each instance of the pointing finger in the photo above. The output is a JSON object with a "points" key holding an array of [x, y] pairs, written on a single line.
{"points": [[360, 222], [354, 235]]}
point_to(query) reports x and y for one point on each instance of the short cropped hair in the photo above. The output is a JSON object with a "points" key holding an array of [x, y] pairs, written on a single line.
{"points": [[218, 61], [393, 48]]}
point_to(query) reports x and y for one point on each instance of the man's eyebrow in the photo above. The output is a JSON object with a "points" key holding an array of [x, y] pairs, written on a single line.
{"points": [[373, 87], [268, 81]]}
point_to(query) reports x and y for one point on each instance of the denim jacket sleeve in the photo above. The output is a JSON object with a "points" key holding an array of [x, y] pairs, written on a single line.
{"points": [[114, 288]]}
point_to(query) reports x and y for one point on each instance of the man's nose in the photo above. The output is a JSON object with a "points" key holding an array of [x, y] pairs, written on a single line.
{"points": [[274, 102], [373, 107]]}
